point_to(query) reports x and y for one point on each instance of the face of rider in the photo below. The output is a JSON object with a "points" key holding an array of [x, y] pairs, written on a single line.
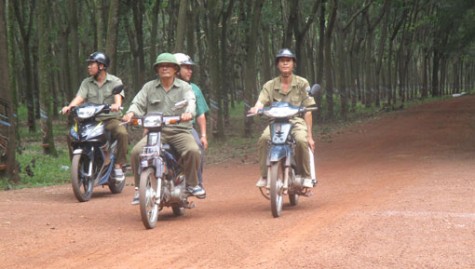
{"points": [[93, 68], [186, 71], [285, 66], [166, 70]]}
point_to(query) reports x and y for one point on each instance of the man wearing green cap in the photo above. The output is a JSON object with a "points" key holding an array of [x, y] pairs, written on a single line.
{"points": [[160, 95]]}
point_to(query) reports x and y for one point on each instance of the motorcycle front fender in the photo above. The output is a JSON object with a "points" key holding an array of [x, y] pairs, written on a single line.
{"points": [[277, 152], [77, 151], [89, 152]]}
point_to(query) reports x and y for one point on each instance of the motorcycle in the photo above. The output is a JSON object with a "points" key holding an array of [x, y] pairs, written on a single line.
{"points": [[281, 177], [162, 182], [93, 151]]}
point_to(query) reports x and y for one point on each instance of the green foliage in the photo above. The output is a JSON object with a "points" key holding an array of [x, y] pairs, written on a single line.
{"points": [[37, 169]]}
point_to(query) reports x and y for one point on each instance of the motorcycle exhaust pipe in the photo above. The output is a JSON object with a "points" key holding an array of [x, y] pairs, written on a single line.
{"points": [[312, 164]]}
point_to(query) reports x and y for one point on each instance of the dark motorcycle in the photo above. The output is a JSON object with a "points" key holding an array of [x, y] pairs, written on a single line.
{"points": [[281, 177], [93, 151], [162, 182]]}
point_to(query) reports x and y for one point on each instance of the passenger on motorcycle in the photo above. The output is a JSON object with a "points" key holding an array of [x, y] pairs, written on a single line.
{"points": [[97, 88], [160, 95], [288, 87], [185, 73]]}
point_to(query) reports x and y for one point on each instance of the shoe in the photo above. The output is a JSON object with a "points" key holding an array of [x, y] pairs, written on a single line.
{"points": [[262, 182], [135, 200], [308, 183], [119, 175], [196, 191]]}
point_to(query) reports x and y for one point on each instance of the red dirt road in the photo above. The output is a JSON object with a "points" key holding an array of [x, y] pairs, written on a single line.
{"points": [[394, 192]]}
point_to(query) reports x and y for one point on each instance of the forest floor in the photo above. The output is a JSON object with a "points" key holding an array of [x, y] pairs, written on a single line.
{"points": [[397, 191]]}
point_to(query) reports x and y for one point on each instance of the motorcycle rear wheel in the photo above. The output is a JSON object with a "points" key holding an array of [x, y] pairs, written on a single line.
{"points": [[82, 184], [276, 175], [149, 192], [178, 210], [115, 186]]}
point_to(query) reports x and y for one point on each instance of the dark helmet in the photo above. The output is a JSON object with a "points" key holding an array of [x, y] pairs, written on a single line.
{"points": [[285, 53], [99, 57]]}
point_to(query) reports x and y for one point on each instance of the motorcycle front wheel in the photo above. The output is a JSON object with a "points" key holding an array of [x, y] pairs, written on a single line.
{"points": [[293, 196], [149, 195], [276, 175], [82, 184]]}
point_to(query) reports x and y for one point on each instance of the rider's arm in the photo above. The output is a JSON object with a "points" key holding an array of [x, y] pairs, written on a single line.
{"points": [[256, 107], [117, 102], [308, 121], [201, 121], [75, 102]]}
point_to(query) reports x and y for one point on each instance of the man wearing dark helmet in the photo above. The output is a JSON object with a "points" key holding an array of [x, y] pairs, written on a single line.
{"points": [[97, 88], [288, 87]]}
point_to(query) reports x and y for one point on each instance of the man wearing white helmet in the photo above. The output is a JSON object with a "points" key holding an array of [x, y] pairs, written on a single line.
{"points": [[185, 73]]}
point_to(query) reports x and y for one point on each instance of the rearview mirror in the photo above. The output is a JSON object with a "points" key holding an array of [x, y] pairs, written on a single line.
{"points": [[314, 90]]}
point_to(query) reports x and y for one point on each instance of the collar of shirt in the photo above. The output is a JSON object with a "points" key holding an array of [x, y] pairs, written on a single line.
{"points": [[278, 86]]}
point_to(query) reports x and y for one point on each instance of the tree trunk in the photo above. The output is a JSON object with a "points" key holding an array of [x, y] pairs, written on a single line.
{"points": [[181, 27], [25, 30], [250, 69], [7, 124], [112, 31], [328, 58], [214, 68], [74, 66], [44, 64]]}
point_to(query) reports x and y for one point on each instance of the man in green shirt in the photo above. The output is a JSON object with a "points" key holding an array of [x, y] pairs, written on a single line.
{"points": [[161, 94], [288, 87], [97, 88], [185, 73]]}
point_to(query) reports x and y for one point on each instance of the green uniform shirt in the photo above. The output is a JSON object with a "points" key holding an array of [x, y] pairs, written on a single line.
{"points": [[92, 93], [272, 92], [153, 98], [201, 105]]}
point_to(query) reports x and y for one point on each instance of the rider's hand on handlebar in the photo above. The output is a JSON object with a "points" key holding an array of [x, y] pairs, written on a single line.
{"points": [[253, 110], [128, 117], [186, 116], [65, 110], [115, 107]]}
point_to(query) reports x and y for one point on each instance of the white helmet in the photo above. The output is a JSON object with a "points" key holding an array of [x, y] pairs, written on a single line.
{"points": [[182, 58]]}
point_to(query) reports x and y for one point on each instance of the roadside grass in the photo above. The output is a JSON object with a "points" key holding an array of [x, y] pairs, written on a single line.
{"points": [[38, 169]]}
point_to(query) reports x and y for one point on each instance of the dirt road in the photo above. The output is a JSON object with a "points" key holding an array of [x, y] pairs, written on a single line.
{"points": [[394, 192]]}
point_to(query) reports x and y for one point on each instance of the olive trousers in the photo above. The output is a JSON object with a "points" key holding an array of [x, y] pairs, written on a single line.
{"points": [[183, 142], [302, 158], [119, 133]]}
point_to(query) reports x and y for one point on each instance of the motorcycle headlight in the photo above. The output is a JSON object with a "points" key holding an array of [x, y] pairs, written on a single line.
{"points": [[281, 112], [85, 112], [152, 121]]}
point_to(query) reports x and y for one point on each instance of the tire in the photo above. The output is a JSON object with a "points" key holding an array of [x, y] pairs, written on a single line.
{"points": [[149, 192], [114, 186], [276, 175], [82, 184], [293, 197], [178, 210]]}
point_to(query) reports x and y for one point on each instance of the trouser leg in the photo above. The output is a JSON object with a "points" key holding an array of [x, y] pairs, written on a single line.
{"points": [[119, 133], [135, 159], [202, 154], [302, 159], [262, 148], [185, 145]]}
